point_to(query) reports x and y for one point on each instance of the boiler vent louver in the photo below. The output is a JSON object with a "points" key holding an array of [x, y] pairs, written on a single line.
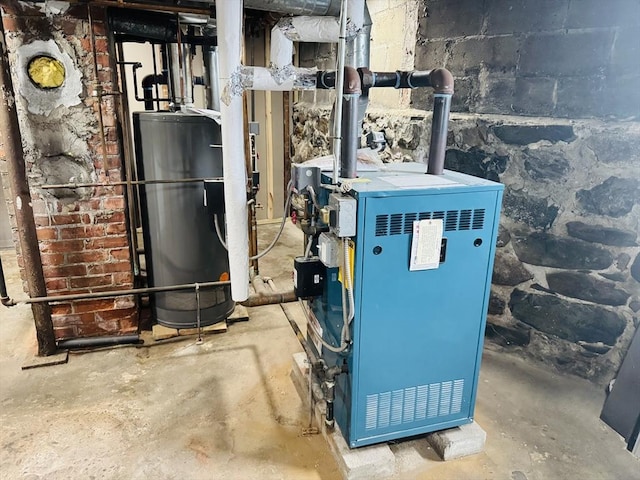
{"points": [[399, 223]]}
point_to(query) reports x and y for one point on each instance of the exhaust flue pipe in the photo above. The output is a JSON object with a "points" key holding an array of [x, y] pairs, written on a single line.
{"points": [[350, 123], [441, 81]]}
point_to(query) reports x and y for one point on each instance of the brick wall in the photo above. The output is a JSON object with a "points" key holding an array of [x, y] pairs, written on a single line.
{"points": [[561, 58], [82, 233]]}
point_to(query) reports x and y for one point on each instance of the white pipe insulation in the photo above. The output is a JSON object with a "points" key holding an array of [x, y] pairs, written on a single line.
{"points": [[311, 30], [229, 15], [235, 78]]}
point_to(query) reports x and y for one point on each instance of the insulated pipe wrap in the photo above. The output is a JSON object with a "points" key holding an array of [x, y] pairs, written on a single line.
{"points": [[229, 15]]}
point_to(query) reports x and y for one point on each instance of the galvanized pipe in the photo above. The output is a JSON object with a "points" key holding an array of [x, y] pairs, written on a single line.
{"points": [[175, 90], [126, 182], [212, 76], [19, 187], [337, 119], [119, 293], [358, 56]]}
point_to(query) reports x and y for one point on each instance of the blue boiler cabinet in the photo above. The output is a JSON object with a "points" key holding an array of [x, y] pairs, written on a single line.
{"points": [[417, 335]]}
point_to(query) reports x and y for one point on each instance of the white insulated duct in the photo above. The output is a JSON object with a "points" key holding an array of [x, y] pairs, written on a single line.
{"points": [[229, 15]]}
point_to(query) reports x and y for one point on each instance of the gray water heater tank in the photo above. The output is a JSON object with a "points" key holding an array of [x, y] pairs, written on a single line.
{"points": [[181, 245]]}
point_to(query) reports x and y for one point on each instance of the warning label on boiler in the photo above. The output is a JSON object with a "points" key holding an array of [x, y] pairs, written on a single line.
{"points": [[426, 244]]}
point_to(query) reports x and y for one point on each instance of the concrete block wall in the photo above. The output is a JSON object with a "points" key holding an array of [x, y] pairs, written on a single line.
{"points": [[82, 233], [561, 58]]}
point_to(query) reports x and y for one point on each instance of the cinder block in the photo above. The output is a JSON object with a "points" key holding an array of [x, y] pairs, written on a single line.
{"points": [[458, 442], [555, 54], [366, 463]]}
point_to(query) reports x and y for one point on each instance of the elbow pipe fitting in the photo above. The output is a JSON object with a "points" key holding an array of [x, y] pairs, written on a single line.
{"points": [[148, 83], [352, 83], [441, 81]]}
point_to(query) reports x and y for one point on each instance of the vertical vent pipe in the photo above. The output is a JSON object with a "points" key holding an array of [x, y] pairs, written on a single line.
{"points": [[442, 82], [229, 15]]}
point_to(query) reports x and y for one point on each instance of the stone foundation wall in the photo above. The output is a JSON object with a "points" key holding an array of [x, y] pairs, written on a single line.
{"points": [[82, 232], [566, 283], [558, 58]]}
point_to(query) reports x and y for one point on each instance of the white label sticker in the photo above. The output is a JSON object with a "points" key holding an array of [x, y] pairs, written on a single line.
{"points": [[425, 244]]}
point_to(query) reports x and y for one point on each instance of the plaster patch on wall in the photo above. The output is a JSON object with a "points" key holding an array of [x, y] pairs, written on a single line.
{"points": [[64, 169], [39, 101]]}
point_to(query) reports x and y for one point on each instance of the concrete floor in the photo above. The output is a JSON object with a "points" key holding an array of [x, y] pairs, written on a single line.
{"points": [[227, 410]]}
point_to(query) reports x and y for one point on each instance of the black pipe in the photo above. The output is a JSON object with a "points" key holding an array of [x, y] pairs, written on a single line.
{"points": [[439, 127], [106, 341], [4, 296], [148, 84], [398, 79], [143, 26], [350, 128]]}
